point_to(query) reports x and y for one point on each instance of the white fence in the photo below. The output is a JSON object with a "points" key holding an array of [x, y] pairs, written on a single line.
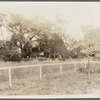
{"points": [[40, 66]]}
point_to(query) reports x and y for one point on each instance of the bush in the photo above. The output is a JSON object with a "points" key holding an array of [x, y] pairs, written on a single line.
{"points": [[41, 59], [92, 70], [26, 59], [53, 58], [11, 56], [63, 59]]}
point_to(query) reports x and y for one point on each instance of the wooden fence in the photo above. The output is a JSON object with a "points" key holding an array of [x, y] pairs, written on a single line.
{"points": [[40, 66]]}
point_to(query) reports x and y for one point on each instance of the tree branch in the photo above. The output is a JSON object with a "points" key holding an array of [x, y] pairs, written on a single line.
{"points": [[17, 45], [9, 29], [34, 35]]}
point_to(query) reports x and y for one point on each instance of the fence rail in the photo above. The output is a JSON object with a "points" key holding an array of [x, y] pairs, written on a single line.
{"points": [[40, 66], [37, 65]]}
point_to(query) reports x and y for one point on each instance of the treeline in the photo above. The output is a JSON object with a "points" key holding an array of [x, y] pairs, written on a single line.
{"points": [[39, 32]]}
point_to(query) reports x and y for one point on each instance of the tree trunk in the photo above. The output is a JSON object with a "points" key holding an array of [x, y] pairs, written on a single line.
{"points": [[23, 54], [88, 66], [54, 55]]}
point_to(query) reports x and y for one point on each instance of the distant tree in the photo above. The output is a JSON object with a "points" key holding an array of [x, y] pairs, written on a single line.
{"points": [[91, 39], [73, 46], [90, 42]]}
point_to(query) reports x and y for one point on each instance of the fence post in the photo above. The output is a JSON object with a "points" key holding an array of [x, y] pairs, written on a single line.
{"points": [[75, 67], [40, 72], [85, 64], [93, 64], [99, 63], [9, 77], [60, 69]]}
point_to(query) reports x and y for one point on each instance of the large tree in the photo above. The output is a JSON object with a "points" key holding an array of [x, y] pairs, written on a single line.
{"points": [[49, 35], [24, 32], [53, 44], [52, 40]]}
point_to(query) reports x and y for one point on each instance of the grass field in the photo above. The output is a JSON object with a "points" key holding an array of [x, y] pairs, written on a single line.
{"points": [[26, 81]]}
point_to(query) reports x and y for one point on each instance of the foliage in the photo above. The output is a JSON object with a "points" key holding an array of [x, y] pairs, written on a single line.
{"points": [[50, 36], [8, 52], [24, 33], [11, 56], [19, 28], [91, 41], [92, 70], [53, 44]]}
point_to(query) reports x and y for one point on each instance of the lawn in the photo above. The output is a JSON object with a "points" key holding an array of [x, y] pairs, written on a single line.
{"points": [[27, 82]]}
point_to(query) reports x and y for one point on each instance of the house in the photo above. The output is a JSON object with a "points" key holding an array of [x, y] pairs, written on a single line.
{"points": [[37, 52]]}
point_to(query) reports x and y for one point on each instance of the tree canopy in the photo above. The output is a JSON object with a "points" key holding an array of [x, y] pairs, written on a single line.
{"points": [[39, 32]]}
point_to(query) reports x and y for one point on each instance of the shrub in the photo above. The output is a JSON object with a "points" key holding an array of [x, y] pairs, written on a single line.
{"points": [[42, 58], [11, 56], [63, 59], [92, 70], [53, 58]]}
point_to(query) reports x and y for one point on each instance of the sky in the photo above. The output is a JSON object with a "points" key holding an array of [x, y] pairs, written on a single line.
{"points": [[75, 14]]}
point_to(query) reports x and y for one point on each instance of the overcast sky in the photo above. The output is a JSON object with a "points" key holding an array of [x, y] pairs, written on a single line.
{"points": [[75, 13]]}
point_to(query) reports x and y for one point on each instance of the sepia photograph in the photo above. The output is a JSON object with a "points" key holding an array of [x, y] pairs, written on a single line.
{"points": [[49, 49]]}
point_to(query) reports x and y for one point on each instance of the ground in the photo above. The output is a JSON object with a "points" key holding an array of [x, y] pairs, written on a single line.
{"points": [[27, 82]]}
